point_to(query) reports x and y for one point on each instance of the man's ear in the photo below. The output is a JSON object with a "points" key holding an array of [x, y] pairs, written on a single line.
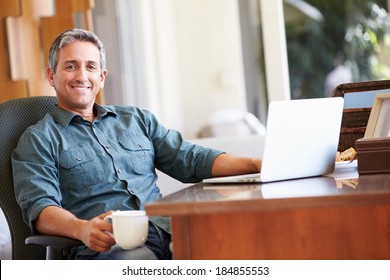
{"points": [[103, 78], [50, 74]]}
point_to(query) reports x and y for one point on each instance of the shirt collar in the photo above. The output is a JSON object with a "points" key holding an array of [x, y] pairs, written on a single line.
{"points": [[64, 117]]}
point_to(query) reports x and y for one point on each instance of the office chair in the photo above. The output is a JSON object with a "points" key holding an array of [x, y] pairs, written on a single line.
{"points": [[15, 116]]}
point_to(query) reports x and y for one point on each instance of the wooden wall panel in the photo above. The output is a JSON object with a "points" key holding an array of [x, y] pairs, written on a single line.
{"points": [[25, 49], [9, 88]]}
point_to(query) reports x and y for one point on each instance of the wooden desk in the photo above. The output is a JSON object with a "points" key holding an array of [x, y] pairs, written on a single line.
{"points": [[313, 218]]}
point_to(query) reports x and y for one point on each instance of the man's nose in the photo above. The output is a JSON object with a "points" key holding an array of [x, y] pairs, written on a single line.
{"points": [[82, 74]]}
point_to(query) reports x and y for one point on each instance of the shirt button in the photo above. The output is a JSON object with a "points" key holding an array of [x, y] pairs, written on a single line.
{"points": [[119, 170], [78, 158], [107, 147]]}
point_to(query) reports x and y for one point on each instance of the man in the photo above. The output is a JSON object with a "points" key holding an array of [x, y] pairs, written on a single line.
{"points": [[83, 160]]}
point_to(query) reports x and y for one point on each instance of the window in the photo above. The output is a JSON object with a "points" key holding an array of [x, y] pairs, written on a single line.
{"points": [[332, 42]]}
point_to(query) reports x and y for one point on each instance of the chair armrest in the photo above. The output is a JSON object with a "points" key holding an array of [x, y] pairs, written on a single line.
{"points": [[57, 247]]}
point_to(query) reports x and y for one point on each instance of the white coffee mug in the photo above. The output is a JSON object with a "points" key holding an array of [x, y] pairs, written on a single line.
{"points": [[130, 228]]}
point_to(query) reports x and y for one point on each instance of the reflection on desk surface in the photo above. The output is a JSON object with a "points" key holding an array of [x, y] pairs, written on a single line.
{"points": [[309, 187], [236, 192], [322, 186], [344, 180]]}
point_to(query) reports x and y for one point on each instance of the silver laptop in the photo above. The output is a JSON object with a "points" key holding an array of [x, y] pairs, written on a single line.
{"points": [[301, 141]]}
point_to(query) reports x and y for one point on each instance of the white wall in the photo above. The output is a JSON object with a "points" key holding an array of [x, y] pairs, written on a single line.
{"points": [[198, 67], [210, 69]]}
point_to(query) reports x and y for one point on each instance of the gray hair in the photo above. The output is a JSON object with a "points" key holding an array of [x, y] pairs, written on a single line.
{"points": [[70, 36]]}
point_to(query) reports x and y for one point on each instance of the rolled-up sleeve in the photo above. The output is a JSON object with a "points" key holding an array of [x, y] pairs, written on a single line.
{"points": [[35, 176], [180, 159]]}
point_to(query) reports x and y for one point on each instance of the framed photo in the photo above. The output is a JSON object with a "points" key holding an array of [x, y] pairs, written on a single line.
{"points": [[379, 121]]}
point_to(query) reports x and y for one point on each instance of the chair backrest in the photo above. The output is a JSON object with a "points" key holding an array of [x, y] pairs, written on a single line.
{"points": [[15, 117]]}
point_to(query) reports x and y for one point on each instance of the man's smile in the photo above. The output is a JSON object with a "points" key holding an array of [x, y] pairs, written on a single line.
{"points": [[81, 87]]}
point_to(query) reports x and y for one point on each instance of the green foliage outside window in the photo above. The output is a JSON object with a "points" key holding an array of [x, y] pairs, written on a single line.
{"points": [[354, 31]]}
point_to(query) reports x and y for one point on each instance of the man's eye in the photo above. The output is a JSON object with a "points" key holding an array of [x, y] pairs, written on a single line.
{"points": [[70, 67], [91, 67]]}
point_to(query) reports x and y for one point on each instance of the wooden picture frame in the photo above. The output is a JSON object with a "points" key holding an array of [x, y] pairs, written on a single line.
{"points": [[378, 125]]}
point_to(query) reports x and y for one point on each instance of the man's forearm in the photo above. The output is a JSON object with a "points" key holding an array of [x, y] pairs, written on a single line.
{"points": [[226, 164], [54, 220]]}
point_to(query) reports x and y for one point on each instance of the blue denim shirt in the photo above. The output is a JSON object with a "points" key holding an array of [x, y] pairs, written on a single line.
{"points": [[90, 168]]}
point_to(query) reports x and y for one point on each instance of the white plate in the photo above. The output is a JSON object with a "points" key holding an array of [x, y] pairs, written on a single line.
{"points": [[345, 164]]}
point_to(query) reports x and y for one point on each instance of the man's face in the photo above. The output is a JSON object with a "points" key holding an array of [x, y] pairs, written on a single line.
{"points": [[78, 76]]}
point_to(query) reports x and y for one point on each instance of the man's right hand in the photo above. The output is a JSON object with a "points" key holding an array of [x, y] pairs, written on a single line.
{"points": [[95, 234]]}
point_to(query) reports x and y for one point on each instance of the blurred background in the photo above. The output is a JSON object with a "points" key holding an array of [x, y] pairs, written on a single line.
{"points": [[195, 62]]}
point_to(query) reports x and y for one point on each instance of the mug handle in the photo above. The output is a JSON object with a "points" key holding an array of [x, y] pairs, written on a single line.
{"points": [[108, 218]]}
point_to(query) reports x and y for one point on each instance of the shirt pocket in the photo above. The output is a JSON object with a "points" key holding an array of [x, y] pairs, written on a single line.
{"points": [[80, 168], [140, 153]]}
